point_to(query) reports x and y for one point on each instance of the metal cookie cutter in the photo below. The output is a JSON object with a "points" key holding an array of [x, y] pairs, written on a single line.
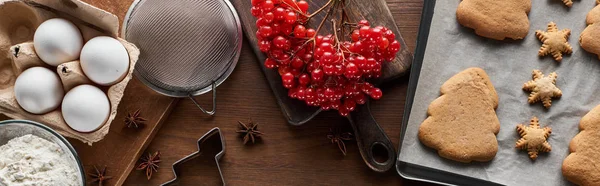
{"points": [[210, 134]]}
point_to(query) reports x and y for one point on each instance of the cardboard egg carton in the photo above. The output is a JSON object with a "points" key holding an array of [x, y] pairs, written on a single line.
{"points": [[18, 22]]}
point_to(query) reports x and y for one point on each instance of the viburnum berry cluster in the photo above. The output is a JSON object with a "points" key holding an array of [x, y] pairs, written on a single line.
{"points": [[329, 71]]}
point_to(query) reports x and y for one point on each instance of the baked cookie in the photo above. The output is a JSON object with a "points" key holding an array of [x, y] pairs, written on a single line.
{"points": [[495, 19], [569, 3], [533, 138], [555, 41], [462, 122], [542, 88], [590, 37], [582, 166]]}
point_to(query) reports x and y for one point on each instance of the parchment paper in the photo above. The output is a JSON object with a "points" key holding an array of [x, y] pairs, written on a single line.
{"points": [[452, 48]]}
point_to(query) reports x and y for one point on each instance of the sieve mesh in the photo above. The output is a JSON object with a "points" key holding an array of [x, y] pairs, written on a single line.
{"points": [[185, 45]]}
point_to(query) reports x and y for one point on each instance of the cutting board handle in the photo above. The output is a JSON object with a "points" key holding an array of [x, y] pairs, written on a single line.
{"points": [[374, 145]]}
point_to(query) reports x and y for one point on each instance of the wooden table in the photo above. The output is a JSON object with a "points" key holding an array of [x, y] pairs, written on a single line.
{"points": [[286, 155]]}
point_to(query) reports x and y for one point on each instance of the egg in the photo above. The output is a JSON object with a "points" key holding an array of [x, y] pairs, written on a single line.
{"points": [[57, 41], [38, 90], [85, 108], [104, 60]]}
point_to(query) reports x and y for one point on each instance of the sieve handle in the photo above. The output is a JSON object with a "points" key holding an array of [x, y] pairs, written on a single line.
{"points": [[214, 100]]}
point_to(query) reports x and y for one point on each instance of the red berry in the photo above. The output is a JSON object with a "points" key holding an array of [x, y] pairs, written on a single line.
{"points": [[287, 29], [256, 2], [364, 31], [287, 78], [360, 99], [279, 13], [351, 71], [268, 5], [261, 22], [300, 31], [389, 34], [270, 63], [268, 17], [290, 18], [361, 62], [376, 93], [264, 46], [394, 46], [343, 111], [363, 23], [283, 70], [303, 5], [317, 75], [304, 79], [329, 70], [310, 32], [355, 35], [300, 93], [349, 104], [279, 42], [375, 33], [265, 31], [255, 11], [297, 63], [327, 58], [383, 43]]}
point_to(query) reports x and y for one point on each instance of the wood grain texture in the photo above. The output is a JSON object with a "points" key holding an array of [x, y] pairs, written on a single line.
{"points": [[287, 155]]}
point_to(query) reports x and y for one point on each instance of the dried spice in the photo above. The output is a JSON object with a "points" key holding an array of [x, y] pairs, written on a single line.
{"points": [[337, 136], [250, 131], [133, 120], [149, 163], [100, 176]]}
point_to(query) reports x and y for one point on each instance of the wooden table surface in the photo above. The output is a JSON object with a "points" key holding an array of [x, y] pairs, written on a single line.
{"points": [[286, 155]]}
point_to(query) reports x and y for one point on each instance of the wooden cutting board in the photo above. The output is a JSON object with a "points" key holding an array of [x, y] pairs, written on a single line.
{"points": [[368, 133], [376, 11]]}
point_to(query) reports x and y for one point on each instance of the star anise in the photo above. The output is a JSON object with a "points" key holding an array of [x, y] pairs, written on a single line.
{"points": [[100, 176], [337, 136], [133, 120], [250, 131], [150, 163]]}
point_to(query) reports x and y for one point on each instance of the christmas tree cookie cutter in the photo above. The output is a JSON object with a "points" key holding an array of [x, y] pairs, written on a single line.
{"points": [[213, 133]]}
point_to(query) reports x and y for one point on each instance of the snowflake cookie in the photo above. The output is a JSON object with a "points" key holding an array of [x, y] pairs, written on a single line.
{"points": [[569, 3], [555, 41], [542, 88], [533, 138]]}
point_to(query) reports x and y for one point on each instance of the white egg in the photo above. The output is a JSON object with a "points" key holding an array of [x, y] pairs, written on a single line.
{"points": [[85, 108], [38, 90], [104, 60], [57, 41]]}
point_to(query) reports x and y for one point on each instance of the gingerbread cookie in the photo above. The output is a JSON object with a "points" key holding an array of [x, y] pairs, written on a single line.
{"points": [[590, 37], [542, 88], [582, 166], [569, 3], [533, 138], [555, 41], [462, 122], [495, 19]]}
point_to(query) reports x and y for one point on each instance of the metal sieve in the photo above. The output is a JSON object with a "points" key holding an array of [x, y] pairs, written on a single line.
{"points": [[187, 47]]}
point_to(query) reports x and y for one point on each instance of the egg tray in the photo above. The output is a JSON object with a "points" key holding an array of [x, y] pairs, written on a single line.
{"points": [[18, 22]]}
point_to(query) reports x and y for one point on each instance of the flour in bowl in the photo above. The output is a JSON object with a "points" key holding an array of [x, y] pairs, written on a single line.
{"points": [[30, 160]]}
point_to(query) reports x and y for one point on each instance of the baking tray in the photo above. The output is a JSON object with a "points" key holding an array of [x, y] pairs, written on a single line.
{"points": [[412, 171], [574, 79]]}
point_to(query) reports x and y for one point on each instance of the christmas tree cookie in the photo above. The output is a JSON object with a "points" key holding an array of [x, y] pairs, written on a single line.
{"points": [[462, 122]]}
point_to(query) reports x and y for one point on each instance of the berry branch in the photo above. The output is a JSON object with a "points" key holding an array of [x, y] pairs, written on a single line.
{"points": [[329, 71]]}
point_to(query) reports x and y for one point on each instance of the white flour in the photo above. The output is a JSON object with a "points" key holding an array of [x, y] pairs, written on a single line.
{"points": [[32, 161]]}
